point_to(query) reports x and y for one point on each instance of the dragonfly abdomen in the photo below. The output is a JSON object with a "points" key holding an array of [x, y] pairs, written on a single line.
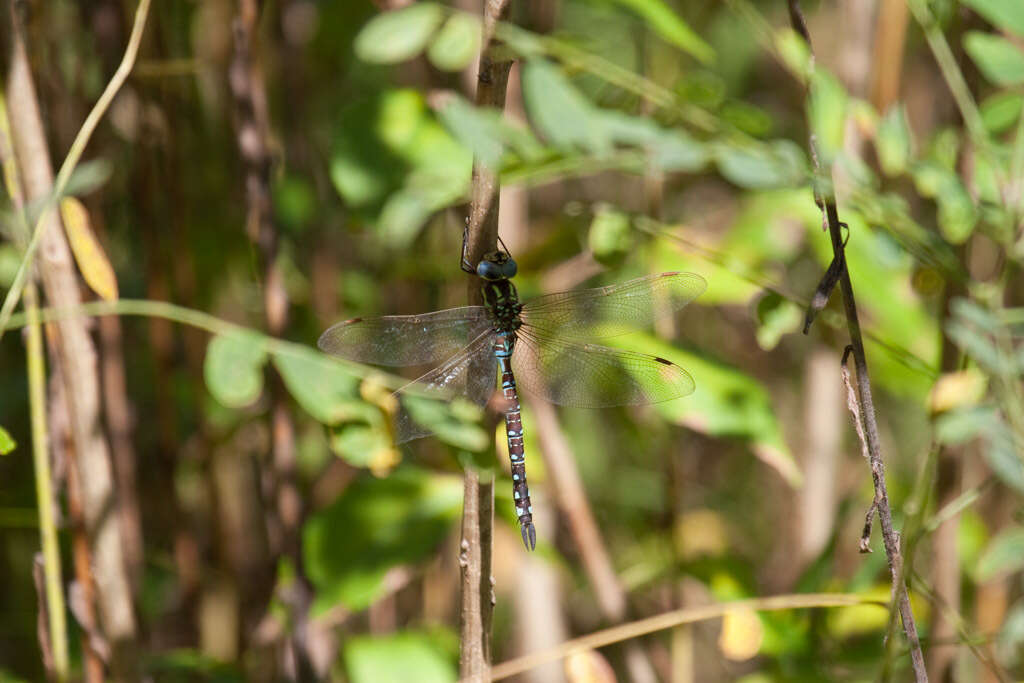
{"points": [[503, 345]]}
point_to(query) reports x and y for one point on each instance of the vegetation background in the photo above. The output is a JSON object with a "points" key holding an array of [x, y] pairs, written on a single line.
{"points": [[196, 494]]}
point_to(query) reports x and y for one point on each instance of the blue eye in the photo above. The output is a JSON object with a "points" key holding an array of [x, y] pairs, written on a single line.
{"points": [[488, 270], [509, 269]]}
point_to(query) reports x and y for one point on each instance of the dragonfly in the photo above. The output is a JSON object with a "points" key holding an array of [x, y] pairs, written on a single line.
{"points": [[543, 345]]}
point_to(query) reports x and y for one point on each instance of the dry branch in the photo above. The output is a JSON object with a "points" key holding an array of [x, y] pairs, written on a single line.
{"points": [[865, 403], [477, 606]]}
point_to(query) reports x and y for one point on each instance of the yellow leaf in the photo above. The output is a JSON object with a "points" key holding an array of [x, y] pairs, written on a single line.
{"points": [[701, 533], [588, 666], [92, 260], [957, 389], [742, 634]]}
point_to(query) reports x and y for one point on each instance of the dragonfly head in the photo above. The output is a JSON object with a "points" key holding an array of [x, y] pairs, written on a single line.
{"points": [[497, 265]]}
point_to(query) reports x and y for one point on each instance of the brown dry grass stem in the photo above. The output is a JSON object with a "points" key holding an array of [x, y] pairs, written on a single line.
{"points": [[673, 619], [824, 196]]}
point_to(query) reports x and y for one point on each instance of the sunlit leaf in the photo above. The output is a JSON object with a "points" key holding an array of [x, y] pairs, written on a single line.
{"points": [[559, 111], [741, 636], [827, 113], [89, 255], [611, 235], [400, 658], [1000, 112], [1003, 14], [760, 166], [7, 443], [957, 390], [727, 402], [454, 423], [957, 213], [396, 36], [323, 387], [478, 129], [776, 317], [233, 368], [376, 524], [670, 26], [457, 43], [1005, 554], [893, 141], [999, 60]]}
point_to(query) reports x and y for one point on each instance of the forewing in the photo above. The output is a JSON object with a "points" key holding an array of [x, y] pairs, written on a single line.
{"points": [[584, 375], [400, 340], [613, 310], [471, 374]]}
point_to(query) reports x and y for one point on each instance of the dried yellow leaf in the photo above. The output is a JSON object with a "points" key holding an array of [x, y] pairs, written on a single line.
{"points": [[742, 634], [92, 260], [956, 390]]}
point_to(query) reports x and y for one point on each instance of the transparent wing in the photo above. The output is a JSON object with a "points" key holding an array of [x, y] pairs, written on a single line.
{"points": [[613, 310], [582, 375], [471, 373], [399, 340]]}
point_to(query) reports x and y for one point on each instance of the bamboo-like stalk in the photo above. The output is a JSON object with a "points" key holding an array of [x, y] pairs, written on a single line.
{"points": [[55, 609], [73, 157]]}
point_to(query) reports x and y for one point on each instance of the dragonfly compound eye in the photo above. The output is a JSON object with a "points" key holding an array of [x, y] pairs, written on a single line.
{"points": [[489, 270], [509, 268]]}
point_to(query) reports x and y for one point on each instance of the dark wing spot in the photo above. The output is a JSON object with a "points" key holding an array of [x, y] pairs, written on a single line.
{"points": [[662, 360]]}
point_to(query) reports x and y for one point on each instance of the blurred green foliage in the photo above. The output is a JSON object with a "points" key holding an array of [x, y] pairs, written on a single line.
{"points": [[649, 136]]}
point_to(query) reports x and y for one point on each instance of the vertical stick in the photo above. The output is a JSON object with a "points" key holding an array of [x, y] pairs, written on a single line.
{"points": [[52, 575], [478, 495], [865, 400]]}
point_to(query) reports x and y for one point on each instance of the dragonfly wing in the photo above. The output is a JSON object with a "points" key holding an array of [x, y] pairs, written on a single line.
{"points": [[399, 340], [470, 373], [612, 310], [583, 375]]}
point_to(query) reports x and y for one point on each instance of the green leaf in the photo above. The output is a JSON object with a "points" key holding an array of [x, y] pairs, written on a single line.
{"points": [[1003, 14], [457, 43], [760, 166], [1003, 455], [376, 524], [455, 423], [666, 23], [727, 402], [1000, 112], [957, 213], [677, 151], [962, 425], [999, 60], [478, 129], [559, 111], [7, 443], [611, 235], [323, 387], [1004, 555], [396, 36], [827, 113], [401, 657], [893, 141], [233, 368], [776, 317]]}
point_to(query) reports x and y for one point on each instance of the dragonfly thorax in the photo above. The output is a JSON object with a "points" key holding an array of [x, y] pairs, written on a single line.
{"points": [[502, 300]]}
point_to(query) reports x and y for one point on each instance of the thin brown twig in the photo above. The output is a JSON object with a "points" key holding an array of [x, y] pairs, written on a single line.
{"points": [[826, 200]]}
